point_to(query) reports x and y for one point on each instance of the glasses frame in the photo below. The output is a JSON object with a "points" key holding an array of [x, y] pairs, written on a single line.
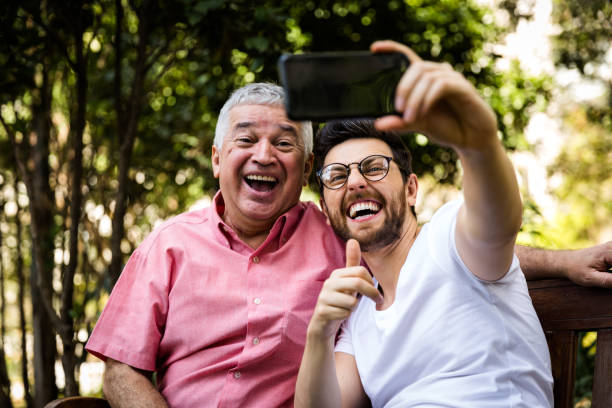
{"points": [[389, 159]]}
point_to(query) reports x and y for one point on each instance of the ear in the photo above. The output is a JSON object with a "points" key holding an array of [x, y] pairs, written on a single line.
{"points": [[411, 187], [308, 164], [215, 161]]}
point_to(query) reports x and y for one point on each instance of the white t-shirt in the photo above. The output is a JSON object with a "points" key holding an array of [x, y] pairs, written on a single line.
{"points": [[450, 339]]}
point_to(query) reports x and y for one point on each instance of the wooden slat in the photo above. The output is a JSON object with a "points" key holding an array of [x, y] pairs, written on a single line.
{"points": [[602, 379], [563, 348], [562, 305], [78, 402]]}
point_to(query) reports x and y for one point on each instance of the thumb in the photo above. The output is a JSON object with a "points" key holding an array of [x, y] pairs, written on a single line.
{"points": [[353, 253]]}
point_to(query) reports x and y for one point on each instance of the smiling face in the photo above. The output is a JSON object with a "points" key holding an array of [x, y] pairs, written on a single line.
{"points": [[373, 212], [261, 166]]}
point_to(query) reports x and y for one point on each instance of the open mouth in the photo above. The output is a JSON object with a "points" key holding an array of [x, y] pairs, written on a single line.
{"points": [[261, 183], [363, 209]]}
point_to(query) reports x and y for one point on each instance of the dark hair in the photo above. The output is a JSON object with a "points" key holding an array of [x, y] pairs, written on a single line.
{"points": [[337, 131]]}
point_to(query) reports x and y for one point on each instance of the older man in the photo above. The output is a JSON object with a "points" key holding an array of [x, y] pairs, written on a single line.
{"points": [[217, 301]]}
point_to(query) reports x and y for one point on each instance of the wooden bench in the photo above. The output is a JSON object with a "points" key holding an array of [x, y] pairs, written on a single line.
{"points": [[78, 402], [566, 309]]}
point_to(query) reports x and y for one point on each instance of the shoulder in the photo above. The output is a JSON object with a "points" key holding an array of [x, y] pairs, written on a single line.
{"points": [[312, 214], [439, 230], [178, 226], [447, 212]]}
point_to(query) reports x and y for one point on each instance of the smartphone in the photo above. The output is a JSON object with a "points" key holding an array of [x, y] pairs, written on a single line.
{"points": [[333, 85]]}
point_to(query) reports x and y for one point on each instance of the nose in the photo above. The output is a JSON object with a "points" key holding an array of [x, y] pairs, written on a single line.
{"points": [[355, 179], [264, 153]]}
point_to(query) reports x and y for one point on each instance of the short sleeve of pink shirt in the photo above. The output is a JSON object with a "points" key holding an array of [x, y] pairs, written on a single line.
{"points": [[221, 323]]}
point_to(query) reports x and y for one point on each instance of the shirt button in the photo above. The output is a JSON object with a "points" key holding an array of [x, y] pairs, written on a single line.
{"points": [[256, 341], [237, 374], [257, 301], [256, 259]]}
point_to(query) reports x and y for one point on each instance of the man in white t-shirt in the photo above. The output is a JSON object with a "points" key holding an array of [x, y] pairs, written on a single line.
{"points": [[447, 320]]}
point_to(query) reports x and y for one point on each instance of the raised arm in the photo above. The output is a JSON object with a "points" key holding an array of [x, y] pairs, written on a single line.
{"points": [[325, 381], [442, 104], [125, 386], [587, 267]]}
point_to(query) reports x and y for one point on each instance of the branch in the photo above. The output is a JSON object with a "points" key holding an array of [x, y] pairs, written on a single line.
{"points": [[165, 69], [54, 36], [155, 56]]}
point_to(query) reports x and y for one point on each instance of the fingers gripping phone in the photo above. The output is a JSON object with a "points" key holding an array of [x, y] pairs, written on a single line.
{"points": [[329, 85]]}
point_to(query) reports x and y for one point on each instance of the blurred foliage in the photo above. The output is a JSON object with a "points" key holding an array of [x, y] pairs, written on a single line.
{"points": [[585, 366], [584, 39], [585, 168], [585, 163]]}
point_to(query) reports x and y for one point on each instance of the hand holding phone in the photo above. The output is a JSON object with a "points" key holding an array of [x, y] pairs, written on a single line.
{"points": [[330, 85]]}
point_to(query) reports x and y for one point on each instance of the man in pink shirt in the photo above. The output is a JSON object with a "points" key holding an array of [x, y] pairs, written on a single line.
{"points": [[216, 301]]}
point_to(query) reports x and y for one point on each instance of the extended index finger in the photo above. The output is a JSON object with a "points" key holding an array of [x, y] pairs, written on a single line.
{"points": [[391, 46]]}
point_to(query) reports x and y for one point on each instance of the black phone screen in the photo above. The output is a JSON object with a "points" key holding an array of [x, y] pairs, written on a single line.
{"points": [[321, 86]]}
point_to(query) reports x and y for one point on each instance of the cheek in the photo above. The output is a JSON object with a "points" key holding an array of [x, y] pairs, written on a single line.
{"points": [[232, 161], [333, 204], [295, 168]]}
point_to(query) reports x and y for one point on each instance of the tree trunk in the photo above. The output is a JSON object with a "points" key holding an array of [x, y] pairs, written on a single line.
{"points": [[45, 389], [69, 360], [21, 281], [2, 298], [5, 383], [128, 116], [41, 229]]}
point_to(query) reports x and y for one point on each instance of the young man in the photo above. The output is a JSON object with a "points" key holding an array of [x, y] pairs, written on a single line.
{"points": [[448, 320]]}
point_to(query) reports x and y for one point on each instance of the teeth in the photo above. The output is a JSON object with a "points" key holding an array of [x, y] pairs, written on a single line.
{"points": [[368, 205], [256, 177]]}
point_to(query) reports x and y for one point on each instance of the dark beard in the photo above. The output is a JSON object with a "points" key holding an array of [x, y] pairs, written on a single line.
{"points": [[390, 232]]}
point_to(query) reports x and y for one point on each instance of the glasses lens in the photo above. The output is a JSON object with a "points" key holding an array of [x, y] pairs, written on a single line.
{"points": [[374, 167], [334, 175]]}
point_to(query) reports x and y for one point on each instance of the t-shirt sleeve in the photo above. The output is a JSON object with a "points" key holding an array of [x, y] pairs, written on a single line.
{"points": [[444, 247], [344, 342], [441, 237], [132, 323]]}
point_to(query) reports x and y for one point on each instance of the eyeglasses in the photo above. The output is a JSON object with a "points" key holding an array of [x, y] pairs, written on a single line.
{"points": [[373, 168]]}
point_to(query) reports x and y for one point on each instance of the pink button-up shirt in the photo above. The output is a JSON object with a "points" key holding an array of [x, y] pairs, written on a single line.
{"points": [[223, 325]]}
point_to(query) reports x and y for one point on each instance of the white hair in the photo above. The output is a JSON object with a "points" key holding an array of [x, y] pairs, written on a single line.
{"points": [[259, 93]]}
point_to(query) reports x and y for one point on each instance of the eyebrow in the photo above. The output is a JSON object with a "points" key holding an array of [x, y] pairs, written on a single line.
{"points": [[244, 125], [282, 126]]}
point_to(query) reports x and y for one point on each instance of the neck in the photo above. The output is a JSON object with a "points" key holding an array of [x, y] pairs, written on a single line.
{"points": [[252, 234], [386, 263]]}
